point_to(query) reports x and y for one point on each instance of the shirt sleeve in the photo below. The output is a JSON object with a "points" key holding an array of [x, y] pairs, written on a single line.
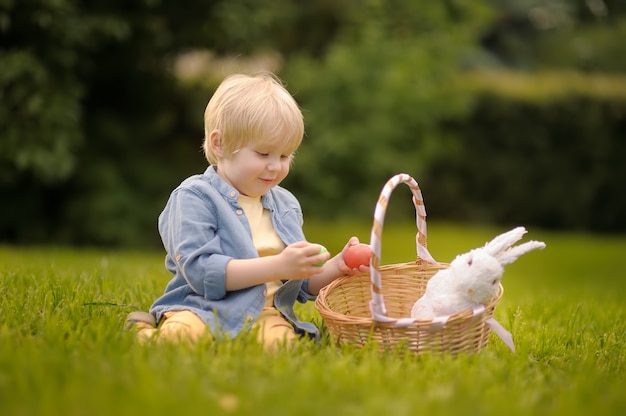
{"points": [[188, 229]]}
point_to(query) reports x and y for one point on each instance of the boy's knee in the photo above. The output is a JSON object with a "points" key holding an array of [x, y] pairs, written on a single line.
{"points": [[274, 330], [182, 326]]}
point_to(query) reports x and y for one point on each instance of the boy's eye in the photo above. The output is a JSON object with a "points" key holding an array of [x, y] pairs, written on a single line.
{"points": [[267, 154]]}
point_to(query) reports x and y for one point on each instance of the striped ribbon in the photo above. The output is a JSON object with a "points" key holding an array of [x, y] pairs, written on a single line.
{"points": [[377, 305]]}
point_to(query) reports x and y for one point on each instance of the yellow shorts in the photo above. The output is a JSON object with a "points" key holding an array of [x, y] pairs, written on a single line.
{"points": [[272, 328], [176, 326]]}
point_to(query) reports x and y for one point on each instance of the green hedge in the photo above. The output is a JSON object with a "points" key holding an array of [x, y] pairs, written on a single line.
{"points": [[542, 150], [539, 150]]}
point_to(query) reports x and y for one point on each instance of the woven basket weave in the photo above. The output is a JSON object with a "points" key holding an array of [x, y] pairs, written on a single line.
{"points": [[376, 308]]}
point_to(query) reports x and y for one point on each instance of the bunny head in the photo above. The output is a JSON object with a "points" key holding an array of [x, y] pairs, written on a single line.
{"points": [[478, 272], [477, 275], [472, 278]]}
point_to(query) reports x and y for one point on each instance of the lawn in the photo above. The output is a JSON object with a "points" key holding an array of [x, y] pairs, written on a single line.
{"points": [[63, 351]]}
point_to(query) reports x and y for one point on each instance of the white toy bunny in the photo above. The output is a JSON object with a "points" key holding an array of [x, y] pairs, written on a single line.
{"points": [[472, 278]]}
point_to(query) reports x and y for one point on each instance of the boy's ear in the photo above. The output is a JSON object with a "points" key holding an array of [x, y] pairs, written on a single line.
{"points": [[215, 142]]}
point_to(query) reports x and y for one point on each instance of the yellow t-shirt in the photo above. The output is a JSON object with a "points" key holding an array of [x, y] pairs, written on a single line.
{"points": [[266, 241]]}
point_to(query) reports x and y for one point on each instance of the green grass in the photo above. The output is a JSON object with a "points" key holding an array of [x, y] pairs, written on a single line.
{"points": [[63, 351]]}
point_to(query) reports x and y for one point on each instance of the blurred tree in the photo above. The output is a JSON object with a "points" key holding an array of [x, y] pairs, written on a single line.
{"points": [[287, 26], [96, 127], [86, 95], [99, 130], [99, 126], [541, 34], [374, 101]]}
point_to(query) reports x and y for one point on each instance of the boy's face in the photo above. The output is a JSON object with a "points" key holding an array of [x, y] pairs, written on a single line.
{"points": [[254, 169]]}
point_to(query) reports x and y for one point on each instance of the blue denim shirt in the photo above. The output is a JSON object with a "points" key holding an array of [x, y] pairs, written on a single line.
{"points": [[202, 228]]}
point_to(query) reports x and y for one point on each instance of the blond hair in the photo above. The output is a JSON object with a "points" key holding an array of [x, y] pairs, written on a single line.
{"points": [[252, 109]]}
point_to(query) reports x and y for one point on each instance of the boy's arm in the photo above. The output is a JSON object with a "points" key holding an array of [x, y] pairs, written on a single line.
{"points": [[296, 261]]}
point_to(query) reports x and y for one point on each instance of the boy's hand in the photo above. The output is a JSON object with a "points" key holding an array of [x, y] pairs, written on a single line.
{"points": [[334, 268], [301, 260], [344, 268]]}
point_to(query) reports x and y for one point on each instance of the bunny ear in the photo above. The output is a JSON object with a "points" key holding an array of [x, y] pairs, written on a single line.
{"points": [[502, 242], [510, 255]]}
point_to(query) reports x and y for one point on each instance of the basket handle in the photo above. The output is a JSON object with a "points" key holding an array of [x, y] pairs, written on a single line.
{"points": [[377, 305]]}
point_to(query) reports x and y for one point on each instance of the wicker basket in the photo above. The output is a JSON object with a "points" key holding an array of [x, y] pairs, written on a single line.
{"points": [[361, 309]]}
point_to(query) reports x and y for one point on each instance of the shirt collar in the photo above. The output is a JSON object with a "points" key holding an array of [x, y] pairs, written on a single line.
{"points": [[230, 192]]}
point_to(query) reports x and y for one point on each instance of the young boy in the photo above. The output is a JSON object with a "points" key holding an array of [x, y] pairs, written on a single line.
{"points": [[232, 235]]}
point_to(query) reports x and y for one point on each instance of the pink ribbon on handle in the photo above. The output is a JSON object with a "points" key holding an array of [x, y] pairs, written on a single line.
{"points": [[377, 305]]}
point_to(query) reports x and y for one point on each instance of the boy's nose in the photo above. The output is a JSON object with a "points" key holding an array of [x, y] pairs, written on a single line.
{"points": [[273, 165]]}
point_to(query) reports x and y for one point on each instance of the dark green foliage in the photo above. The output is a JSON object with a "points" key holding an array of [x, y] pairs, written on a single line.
{"points": [[374, 103], [92, 113], [97, 129], [557, 164], [542, 34]]}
